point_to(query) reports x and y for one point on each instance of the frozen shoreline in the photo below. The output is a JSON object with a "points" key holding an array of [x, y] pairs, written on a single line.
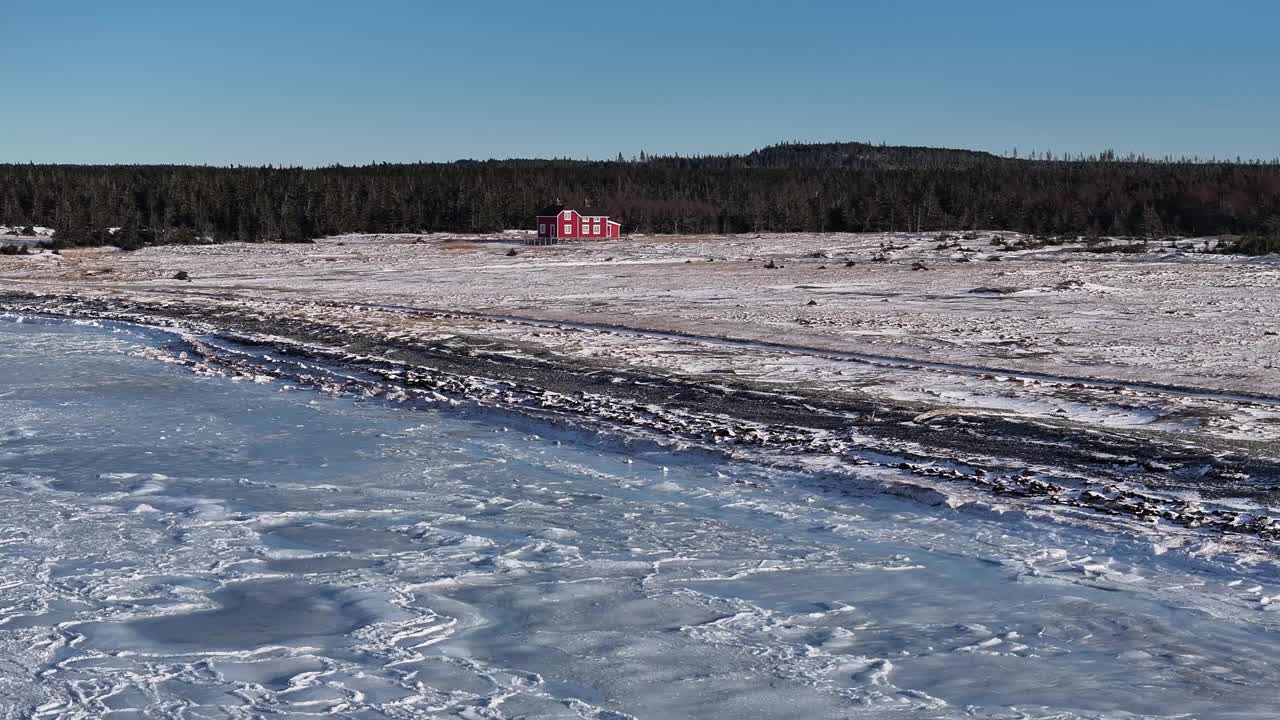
{"points": [[985, 463], [1033, 385]]}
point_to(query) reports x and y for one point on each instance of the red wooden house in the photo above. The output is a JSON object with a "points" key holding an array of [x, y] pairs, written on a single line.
{"points": [[558, 223]]}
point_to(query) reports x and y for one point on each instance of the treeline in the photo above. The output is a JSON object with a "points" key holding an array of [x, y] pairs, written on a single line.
{"points": [[794, 187]]}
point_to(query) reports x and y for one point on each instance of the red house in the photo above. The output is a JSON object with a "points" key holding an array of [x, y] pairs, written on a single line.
{"points": [[558, 223]]}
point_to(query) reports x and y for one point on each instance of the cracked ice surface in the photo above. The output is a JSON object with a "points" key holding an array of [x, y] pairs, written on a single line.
{"points": [[181, 546]]}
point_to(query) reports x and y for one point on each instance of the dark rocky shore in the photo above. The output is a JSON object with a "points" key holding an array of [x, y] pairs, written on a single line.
{"points": [[1133, 475]]}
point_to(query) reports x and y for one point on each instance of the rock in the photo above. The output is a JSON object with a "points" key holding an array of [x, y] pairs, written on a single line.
{"points": [[182, 275], [919, 266], [512, 252], [812, 302]]}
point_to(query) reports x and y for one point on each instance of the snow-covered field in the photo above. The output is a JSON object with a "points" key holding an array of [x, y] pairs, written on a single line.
{"points": [[1167, 340], [175, 545]]}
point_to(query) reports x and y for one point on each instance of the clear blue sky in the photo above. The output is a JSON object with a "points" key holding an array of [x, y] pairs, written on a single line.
{"points": [[318, 82]]}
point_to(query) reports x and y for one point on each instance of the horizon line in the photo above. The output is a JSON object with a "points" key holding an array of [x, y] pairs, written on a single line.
{"points": [[1109, 155], [1038, 156]]}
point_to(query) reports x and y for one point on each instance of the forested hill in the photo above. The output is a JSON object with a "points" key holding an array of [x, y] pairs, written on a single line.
{"points": [[791, 187], [851, 156]]}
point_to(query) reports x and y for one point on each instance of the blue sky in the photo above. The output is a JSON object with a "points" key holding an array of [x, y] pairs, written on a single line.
{"points": [[318, 82]]}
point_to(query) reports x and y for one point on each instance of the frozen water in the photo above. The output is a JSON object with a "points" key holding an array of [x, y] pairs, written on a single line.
{"points": [[251, 615], [173, 545]]}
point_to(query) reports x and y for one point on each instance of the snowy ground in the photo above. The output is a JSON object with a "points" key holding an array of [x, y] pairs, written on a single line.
{"points": [[1167, 340], [175, 545], [18, 235]]}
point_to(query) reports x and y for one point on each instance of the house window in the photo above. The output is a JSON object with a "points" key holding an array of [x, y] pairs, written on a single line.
{"points": [[568, 229], [542, 228]]}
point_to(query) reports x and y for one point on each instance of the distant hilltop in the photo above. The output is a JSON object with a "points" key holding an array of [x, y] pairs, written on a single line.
{"points": [[860, 155], [809, 187]]}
